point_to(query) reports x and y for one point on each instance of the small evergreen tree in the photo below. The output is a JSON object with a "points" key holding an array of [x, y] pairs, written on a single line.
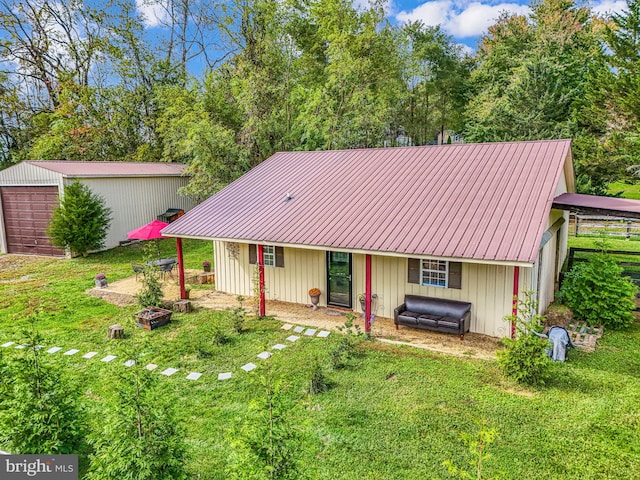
{"points": [[81, 221], [39, 408], [139, 438]]}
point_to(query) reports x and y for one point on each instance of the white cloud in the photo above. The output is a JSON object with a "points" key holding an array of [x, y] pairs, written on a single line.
{"points": [[607, 7], [153, 12], [461, 19]]}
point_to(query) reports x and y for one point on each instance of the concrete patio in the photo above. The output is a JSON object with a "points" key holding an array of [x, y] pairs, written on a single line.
{"points": [[122, 292]]}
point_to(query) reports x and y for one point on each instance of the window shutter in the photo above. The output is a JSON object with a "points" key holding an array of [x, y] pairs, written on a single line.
{"points": [[413, 275], [455, 275], [279, 257], [253, 254]]}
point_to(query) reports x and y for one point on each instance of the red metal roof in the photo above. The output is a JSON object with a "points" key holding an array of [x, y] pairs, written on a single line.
{"points": [[110, 169], [593, 204], [478, 201]]}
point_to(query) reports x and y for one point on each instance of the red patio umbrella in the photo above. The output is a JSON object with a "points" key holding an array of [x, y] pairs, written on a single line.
{"points": [[150, 231]]}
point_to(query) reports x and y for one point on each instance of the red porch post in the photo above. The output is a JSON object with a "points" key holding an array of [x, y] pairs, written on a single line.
{"points": [[183, 293], [261, 274], [514, 309], [367, 295]]}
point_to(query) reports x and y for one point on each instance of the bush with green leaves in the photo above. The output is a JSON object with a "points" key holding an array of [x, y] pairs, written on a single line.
{"points": [[524, 358], [151, 293], [40, 409], [597, 292], [81, 221], [238, 315], [477, 445], [139, 437], [318, 382]]}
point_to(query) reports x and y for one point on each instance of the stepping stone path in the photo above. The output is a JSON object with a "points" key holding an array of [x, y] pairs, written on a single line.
{"points": [[192, 376], [248, 367]]}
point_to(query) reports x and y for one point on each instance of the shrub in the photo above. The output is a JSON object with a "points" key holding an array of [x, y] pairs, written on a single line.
{"points": [[525, 357], [238, 315], [40, 411], [598, 293], [318, 382], [81, 221], [151, 293]]}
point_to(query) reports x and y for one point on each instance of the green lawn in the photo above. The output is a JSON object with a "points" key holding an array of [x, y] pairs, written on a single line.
{"points": [[393, 413], [628, 190]]}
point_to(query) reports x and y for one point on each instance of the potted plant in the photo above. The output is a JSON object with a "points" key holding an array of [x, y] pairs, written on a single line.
{"points": [[187, 289], [206, 266], [149, 298], [314, 294], [361, 299], [101, 280]]}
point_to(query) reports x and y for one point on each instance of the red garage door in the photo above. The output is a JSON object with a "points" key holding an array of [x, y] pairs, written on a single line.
{"points": [[27, 211]]}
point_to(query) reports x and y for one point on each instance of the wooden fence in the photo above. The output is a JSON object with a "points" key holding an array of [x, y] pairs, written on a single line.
{"points": [[629, 268], [608, 226]]}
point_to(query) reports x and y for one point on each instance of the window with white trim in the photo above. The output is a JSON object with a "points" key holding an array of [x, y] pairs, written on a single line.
{"points": [[434, 273], [269, 254]]}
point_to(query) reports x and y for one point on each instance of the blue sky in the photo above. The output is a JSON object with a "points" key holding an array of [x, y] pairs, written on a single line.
{"points": [[464, 20]]}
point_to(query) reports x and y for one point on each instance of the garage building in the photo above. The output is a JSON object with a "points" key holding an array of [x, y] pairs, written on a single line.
{"points": [[136, 193]]}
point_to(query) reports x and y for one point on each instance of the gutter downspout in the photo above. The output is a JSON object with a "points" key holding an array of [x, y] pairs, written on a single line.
{"points": [[263, 308], [514, 308], [367, 295]]}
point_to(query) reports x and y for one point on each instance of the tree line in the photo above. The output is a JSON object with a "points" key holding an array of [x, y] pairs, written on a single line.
{"points": [[81, 81]]}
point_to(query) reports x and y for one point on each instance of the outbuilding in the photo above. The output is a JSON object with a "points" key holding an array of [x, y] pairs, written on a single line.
{"points": [[471, 222], [136, 193]]}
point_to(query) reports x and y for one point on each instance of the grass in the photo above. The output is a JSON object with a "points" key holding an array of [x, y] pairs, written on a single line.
{"points": [[628, 190], [392, 413]]}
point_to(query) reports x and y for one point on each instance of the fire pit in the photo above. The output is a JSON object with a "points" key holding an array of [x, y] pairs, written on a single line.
{"points": [[152, 317]]}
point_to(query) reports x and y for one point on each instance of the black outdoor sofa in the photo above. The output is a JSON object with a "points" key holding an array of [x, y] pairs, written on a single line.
{"points": [[439, 314]]}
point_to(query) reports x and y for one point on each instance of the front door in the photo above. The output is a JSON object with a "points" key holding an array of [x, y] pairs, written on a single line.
{"points": [[339, 279]]}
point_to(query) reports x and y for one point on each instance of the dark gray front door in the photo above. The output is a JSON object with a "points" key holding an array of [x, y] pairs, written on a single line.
{"points": [[339, 286]]}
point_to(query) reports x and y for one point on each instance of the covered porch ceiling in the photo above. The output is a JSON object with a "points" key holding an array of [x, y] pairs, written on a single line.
{"points": [[595, 205]]}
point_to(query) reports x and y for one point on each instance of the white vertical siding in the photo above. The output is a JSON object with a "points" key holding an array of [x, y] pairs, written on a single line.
{"points": [[488, 287], [135, 201], [28, 174]]}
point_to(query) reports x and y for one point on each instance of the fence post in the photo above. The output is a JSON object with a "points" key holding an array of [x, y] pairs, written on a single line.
{"points": [[571, 253], [577, 224], [628, 229]]}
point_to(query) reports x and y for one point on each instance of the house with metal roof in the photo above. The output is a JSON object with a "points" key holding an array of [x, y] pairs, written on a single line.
{"points": [[136, 193], [470, 222]]}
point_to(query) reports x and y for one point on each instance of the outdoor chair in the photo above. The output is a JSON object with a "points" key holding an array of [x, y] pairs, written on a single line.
{"points": [[138, 269], [168, 268]]}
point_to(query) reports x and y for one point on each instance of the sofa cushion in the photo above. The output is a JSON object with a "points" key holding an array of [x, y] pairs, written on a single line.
{"points": [[409, 317], [449, 322], [430, 320]]}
